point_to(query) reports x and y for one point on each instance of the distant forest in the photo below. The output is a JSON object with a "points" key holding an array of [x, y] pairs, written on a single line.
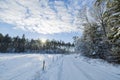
{"points": [[23, 45]]}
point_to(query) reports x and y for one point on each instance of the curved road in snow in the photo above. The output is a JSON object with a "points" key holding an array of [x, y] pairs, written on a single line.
{"points": [[71, 68]]}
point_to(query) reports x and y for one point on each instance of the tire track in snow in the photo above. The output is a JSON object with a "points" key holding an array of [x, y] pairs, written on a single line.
{"points": [[70, 72], [95, 71], [60, 70], [81, 70]]}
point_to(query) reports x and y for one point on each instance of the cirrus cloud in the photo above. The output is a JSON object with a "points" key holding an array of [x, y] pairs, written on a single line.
{"points": [[41, 16]]}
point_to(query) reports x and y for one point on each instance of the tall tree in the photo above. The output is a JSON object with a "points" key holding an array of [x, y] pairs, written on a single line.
{"points": [[22, 43], [1, 39], [6, 42]]}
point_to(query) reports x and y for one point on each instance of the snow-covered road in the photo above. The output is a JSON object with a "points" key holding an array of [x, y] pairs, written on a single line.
{"points": [[57, 67], [72, 68]]}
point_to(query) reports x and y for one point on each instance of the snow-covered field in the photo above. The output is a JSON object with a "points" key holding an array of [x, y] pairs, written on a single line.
{"points": [[23, 66], [57, 67]]}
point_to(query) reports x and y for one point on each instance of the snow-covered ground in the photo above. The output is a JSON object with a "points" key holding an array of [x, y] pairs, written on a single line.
{"points": [[23, 66], [57, 67]]}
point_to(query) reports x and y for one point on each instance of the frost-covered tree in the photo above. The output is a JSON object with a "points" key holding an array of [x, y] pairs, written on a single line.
{"points": [[114, 24], [101, 36]]}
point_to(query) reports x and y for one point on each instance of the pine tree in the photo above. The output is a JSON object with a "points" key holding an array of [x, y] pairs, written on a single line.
{"points": [[5, 44], [114, 25], [22, 44], [1, 39]]}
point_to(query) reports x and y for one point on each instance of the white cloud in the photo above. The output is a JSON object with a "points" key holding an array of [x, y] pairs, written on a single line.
{"points": [[39, 16]]}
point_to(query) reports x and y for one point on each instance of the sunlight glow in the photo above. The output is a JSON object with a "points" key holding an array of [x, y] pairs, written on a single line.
{"points": [[43, 40]]}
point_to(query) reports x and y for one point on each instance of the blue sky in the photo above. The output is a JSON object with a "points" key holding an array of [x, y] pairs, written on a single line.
{"points": [[49, 19]]}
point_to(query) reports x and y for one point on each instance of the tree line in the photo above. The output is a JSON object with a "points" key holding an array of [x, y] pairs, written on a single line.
{"points": [[19, 45], [101, 35]]}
